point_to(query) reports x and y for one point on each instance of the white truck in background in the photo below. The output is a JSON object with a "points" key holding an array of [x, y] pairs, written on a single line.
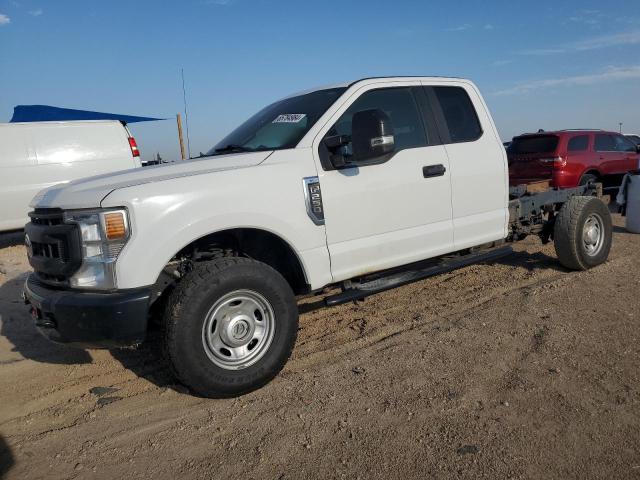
{"points": [[366, 186], [37, 155]]}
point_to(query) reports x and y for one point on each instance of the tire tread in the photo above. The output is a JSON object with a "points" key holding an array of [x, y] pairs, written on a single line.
{"points": [[195, 282], [566, 235]]}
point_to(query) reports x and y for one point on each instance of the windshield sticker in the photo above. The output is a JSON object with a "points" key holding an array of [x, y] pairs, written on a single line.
{"points": [[290, 118]]}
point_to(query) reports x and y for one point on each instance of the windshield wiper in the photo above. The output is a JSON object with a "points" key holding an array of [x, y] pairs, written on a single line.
{"points": [[231, 148]]}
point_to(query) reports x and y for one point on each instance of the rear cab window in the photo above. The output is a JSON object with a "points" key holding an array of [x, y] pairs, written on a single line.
{"points": [[459, 114]]}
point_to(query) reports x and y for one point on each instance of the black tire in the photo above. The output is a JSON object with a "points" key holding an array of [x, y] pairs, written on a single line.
{"points": [[191, 304], [588, 177], [569, 233]]}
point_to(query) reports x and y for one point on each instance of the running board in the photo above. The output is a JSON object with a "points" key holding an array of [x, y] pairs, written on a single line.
{"points": [[447, 264]]}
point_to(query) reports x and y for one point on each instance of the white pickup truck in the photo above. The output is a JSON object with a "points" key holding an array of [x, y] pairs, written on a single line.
{"points": [[365, 186]]}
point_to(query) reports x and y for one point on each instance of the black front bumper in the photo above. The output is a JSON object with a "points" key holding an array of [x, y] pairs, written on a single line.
{"points": [[87, 319]]}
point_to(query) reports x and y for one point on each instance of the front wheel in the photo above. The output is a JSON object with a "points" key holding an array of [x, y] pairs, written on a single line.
{"points": [[582, 233], [230, 326]]}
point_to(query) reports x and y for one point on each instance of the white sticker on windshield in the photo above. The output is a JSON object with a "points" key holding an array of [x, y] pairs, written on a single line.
{"points": [[289, 118]]}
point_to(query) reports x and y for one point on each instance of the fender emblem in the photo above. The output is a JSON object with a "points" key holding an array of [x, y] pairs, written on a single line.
{"points": [[313, 199]]}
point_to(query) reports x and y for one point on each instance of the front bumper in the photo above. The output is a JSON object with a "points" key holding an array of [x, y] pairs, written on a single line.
{"points": [[87, 319]]}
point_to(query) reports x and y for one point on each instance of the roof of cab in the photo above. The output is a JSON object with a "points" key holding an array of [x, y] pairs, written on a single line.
{"points": [[374, 80], [406, 77]]}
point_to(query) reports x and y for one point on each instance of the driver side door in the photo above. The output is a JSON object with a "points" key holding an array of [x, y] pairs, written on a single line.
{"points": [[385, 212]]}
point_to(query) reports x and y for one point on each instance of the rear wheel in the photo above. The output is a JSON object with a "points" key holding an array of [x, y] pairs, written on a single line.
{"points": [[230, 326], [582, 233], [588, 177]]}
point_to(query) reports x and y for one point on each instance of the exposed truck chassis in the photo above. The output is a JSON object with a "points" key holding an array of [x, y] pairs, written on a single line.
{"points": [[534, 212]]}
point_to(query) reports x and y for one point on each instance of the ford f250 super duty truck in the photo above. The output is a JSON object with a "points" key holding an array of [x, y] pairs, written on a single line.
{"points": [[365, 186]]}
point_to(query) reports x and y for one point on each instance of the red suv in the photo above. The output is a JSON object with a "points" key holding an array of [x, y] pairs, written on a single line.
{"points": [[571, 157]]}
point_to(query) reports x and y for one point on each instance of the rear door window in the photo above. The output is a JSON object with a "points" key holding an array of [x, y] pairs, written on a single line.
{"points": [[578, 144], [605, 143], [459, 114], [534, 144]]}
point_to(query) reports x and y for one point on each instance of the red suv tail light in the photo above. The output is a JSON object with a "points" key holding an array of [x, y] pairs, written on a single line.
{"points": [[134, 147], [556, 162]]}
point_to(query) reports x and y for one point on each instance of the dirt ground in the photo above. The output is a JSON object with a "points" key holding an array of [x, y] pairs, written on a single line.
{"points": [[518, 369]]}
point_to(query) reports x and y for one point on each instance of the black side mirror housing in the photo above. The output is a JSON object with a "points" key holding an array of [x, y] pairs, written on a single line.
{"points": [[371, 134], [638, 148]]}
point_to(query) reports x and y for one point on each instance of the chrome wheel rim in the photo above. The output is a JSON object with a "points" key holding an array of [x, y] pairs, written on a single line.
{"points": [[593, 234], [238, 329]]}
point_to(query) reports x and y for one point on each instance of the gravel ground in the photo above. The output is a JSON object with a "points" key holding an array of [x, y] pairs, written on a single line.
{"points": [[518, 369]]}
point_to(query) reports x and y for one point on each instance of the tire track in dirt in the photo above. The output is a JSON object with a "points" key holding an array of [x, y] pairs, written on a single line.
{"points": [[376, 333]]}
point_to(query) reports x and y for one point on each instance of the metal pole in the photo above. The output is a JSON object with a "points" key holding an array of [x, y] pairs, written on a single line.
{"points": [[186, 113], [179, 120]]}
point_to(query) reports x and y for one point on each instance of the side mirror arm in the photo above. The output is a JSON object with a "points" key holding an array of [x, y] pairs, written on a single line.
{"points": [[333, 144], [336, 141]]}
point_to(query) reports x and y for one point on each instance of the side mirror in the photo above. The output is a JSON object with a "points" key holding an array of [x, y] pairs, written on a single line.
{"points": [[638, 148], [371, 134]]}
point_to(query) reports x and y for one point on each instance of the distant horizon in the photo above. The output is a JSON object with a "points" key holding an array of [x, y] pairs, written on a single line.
{"points": [[538, 66]]}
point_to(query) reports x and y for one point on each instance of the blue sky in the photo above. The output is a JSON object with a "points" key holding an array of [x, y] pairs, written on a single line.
{"points": [[543, 64]]}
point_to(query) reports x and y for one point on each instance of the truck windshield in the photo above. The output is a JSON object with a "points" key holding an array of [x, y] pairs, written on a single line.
{"points": [[533, 144], [280, 125]]}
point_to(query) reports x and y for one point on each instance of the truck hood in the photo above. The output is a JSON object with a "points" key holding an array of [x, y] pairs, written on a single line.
{"points": [[89, 192]]}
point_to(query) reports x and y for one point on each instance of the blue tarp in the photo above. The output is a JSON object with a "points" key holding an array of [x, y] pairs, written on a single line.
{"points": [[46, 113]]}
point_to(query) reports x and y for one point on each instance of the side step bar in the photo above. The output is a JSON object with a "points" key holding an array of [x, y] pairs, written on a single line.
{"points": [[447, 264]]}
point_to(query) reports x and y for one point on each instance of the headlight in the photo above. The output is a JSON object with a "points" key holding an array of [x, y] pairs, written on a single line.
{"points": [[104, 234]]}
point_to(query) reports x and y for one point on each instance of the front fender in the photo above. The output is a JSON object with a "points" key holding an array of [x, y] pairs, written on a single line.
{"points": [[167, 216]]}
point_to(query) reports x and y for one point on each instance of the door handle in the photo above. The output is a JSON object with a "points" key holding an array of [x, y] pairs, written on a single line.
{"points": [[433, 171]]}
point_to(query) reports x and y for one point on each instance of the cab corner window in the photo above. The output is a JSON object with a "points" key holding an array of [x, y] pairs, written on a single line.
{"points": [[459, 114], [390, 116]]}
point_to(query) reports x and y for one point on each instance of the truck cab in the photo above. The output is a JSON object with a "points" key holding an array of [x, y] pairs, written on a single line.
{"points": [[418, 199]]}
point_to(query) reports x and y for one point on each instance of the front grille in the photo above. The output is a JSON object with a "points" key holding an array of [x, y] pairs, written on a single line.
{"points": [[54, 247], [46, 217], [47, 250], [49, 218]]}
